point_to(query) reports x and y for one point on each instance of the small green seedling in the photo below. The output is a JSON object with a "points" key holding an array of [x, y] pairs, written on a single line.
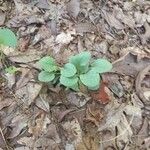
{"points": [[11, 70], [82, 71], [7, 38], [49, 69]]}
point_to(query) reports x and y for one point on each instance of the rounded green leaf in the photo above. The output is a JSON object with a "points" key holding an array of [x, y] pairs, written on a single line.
{"points": [[101, 66], [90, 79], [75, 87], [81, 61], [45, 76], [68, 82], [7, 38], [47, 63], [94, 88], [69, 70]]}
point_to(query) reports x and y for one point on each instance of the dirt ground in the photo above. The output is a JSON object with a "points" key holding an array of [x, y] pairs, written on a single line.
{"points": [[38, 116]]}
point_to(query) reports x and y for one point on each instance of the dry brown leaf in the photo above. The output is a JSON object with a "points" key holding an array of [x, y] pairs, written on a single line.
{"points": [[73, 8], [88, 142], [143, 133], [111, 20], [64, 38], [10, 79], [143, 91], [43, 4], [22, 148], [27, 141], [18, 124], [116, 118], [130, 64], [126, 19], [2, 18], [73, 131], [42, 103], [24, 58], [85, 27], [146, 36], [52, 133], [29, 92], [5, 102], [40, 126]]}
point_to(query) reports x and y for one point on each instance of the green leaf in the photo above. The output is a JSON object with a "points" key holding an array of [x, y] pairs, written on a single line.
{"points": [[101, 66], [48, 64], [75, 87], [68, 82], [7, 38], [11, 70], [94, 88], [69, 70], [45, 76], [81, 61], [90, 79]]}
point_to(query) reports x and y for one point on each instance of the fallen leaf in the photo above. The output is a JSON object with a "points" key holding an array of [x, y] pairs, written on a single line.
{"points": [[64, 38], [126, 19], [77, 100], [40, 126], [85, 28], [5, 103], [2, 18], [146, 36], [42, 103], [24, 43], [93, 115], [29, 92], [116, 118], [27, 141], [130, 64], [73, 131], [43, 4], [101, 95], [22, 148], [111, 20], [10, 79], [143, 91], [18, 124], [73, 8]]}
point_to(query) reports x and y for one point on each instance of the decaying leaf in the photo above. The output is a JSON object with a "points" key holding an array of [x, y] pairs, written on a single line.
{"points": [[130, 64], [10, 79], [126, 19], [116, 118], [40, 126], [85, 27], [43, 4], [73, 130], [146, 36], [2, 18], [29, 92], [111, 20], [143, 89], [18, 124], [102, 94], [42, 103], [73, 8], [5, 102], [64, 38]]}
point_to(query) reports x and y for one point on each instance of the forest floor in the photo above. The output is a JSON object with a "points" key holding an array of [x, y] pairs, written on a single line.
{"points": [[39, 116]]}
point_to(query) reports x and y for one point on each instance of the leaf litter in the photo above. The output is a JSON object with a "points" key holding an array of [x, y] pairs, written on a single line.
{"points": [[39, 116]]}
